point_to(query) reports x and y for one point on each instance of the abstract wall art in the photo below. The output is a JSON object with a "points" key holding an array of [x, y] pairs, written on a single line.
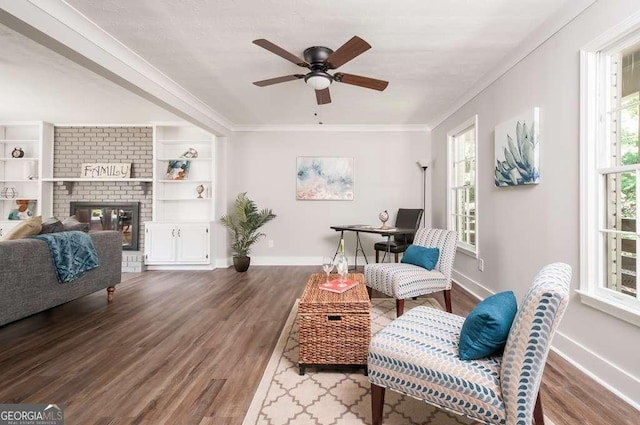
{"points": [[517, 150], [324, 178]]}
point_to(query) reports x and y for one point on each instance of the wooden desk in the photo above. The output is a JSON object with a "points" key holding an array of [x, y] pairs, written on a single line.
{"points": [[363, 228]]}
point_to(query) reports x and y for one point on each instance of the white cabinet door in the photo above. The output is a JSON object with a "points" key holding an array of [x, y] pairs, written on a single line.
{"points": [[160, 243], [192, 243]]}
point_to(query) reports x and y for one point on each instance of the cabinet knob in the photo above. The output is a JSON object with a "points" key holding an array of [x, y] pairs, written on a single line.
{"points": [[173, 233]]}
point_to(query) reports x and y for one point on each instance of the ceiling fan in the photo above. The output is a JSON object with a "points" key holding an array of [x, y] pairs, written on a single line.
{"points": [[319, 60]]}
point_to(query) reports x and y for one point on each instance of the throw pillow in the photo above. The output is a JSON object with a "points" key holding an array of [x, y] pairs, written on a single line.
{"points": [[51, 225], [72, 223], [28, 227], [421, 256], [485, 330]]}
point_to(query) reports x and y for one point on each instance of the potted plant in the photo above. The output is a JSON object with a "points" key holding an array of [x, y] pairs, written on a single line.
{"points": [[243, 224]]}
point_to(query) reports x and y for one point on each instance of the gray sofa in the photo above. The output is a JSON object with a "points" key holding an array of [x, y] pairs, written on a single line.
{"points": [[28, 282]]}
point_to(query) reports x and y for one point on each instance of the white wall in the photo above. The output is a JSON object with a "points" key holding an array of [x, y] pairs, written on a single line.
{"points": [[521, 229], [263, 163]]}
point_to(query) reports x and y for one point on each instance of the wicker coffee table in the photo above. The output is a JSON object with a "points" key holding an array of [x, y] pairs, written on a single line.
{"points": [[335, 329]]}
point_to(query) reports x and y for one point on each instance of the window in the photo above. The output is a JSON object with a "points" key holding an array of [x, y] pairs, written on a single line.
{"points": [[610, 149], [462, 200]]}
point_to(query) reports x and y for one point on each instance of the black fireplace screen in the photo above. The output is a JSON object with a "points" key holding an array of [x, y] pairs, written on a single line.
{"points": [[123, 217]]}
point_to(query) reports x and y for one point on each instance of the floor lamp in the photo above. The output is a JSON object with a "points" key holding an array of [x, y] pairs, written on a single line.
{"points": [[424, 164]]}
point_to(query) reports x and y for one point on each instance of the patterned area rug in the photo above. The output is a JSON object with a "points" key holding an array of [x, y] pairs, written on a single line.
{"points": [[332, 397]]}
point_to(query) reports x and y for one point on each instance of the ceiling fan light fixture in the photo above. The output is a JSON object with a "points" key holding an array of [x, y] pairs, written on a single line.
{"points": [[319, 81]]}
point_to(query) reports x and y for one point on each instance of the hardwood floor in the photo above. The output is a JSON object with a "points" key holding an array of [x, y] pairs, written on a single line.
{"points": [[191, 347]]}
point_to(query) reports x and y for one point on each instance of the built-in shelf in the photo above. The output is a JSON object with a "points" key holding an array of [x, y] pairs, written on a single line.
{"points": [[184, 141], [18, 159], [184, 159], [180, 235], [184, 181], [184, 199], [20, 176]]}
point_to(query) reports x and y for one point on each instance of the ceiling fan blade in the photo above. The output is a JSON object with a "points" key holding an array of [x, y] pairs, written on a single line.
{"points": [[277, 80], [357, 80], [323, 96], [349, 50], [266, 44]]}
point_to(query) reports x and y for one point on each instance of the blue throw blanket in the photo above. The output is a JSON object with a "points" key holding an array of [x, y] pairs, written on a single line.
{"points": [[73, 253]]}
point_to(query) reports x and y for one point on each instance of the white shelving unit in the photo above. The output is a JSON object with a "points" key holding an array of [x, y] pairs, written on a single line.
{"points": [[22, 178], [180, 234]]}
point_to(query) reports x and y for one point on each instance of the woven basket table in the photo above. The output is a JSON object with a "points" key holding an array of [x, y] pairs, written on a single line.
{"points": [[335, 329]]}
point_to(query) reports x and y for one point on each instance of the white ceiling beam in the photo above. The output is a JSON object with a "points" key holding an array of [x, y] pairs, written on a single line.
{"points": [[63, 29]]}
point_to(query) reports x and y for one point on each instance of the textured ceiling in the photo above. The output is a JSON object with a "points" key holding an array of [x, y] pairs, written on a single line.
{"points": [[431, 51], [43, 85]]}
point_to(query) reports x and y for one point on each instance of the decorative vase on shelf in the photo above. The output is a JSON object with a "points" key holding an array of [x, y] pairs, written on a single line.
{"points": [[190, 153], [384, 217], [8, 193], [29, 170]]}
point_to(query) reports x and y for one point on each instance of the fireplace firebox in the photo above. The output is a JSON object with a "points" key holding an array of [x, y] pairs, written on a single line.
{"points": [[120, 216]]}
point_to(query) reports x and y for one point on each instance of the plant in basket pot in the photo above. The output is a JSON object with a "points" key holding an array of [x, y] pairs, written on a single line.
{"points": [[243, 223]]}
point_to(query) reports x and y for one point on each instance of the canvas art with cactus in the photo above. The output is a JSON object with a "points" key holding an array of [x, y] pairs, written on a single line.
{"points": [[517, 151]]}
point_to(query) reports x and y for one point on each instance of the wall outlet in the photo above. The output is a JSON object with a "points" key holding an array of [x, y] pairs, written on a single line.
{"points": [[480, 264], [271, 245]]}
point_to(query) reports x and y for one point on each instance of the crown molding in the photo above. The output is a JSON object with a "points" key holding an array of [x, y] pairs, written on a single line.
{"points": [[567, 13], [63, 29], [335, 127]]}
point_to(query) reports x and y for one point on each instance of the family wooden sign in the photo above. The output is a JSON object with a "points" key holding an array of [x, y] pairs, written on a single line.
{"points": [[100, 170]]}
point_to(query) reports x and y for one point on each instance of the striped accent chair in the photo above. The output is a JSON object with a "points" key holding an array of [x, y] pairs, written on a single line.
{"points": [[402, 281], [417, 355]]}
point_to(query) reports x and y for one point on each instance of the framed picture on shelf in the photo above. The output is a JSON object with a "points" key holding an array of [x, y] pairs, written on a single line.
{"points": [[178, 170], [24, 210]]}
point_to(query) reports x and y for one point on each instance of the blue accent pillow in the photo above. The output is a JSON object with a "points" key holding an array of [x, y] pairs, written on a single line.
{"points": [[421, 256], [486, 328]]}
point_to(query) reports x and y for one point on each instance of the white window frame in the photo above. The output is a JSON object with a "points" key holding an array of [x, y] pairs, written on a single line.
{"points": [[465, 248], [592, 190]]}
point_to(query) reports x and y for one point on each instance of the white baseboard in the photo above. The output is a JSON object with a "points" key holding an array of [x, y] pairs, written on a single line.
{"points": [[578, 355], [289, 261], [295, 261], [626, 384], [223, 263], [182, 267], [471, 286]]}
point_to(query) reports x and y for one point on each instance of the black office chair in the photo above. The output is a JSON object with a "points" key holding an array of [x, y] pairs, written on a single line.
{"points": [[406, 219]]}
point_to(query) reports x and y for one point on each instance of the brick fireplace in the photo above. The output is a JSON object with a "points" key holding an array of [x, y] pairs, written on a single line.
{"points": [[74, 146]]}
